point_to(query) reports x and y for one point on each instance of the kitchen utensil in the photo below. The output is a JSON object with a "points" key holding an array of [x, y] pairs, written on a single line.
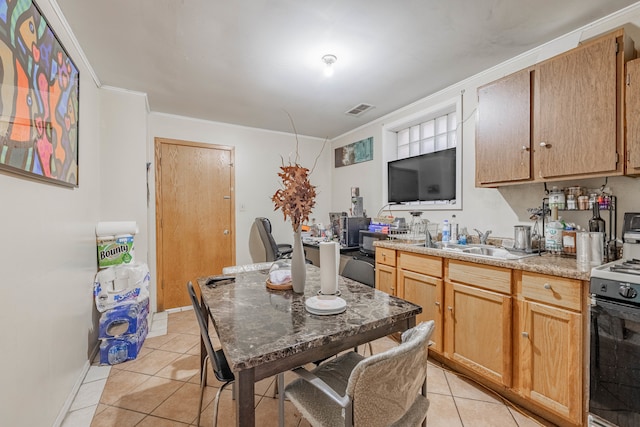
{"points": [[522, 237]]}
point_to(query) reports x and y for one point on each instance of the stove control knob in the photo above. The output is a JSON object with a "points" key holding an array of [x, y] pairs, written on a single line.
{"points": [[626, 291]]}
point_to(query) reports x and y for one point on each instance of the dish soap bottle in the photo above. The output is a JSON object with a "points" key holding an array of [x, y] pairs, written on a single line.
{"points": [[446, 231], [553, 233]]}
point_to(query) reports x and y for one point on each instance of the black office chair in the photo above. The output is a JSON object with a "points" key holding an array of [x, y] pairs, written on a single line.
{"points": [[216, 357], [273, 250], [363, 272]]}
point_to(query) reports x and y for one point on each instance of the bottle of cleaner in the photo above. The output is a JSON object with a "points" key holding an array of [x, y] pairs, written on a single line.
{"points": [[446, 231], [553, 233]]}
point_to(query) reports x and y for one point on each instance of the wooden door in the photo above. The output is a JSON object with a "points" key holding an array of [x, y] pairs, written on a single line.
{"points": [[632, 110], [426, 291], [195, 220], [551, 359], [386, 279], [478, 330], [575, 131], [503, 130]]}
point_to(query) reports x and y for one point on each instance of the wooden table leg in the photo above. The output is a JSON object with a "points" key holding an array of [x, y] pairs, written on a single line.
{"points": [[245, 403]]}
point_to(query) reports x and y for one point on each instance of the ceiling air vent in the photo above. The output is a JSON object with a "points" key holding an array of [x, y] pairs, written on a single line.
{"points": [[359, 109]]}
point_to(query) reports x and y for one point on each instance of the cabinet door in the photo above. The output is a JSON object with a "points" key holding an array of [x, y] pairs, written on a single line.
{"points": [[426, 291], [550, 358], [575, 130], [478, 330], [633, 116], [503, 130], [386, 278]]}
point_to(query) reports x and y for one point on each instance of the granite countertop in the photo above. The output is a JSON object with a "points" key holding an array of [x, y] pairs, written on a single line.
{"points": [[555, 265], [257, 325]]}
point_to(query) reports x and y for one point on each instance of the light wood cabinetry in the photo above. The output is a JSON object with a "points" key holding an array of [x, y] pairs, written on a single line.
{"points": [[386, 270], [569, 106], [576, 127], [420, 281], [549, 343], [503, 130], [520, 333], [632, 111], [478, 319]]}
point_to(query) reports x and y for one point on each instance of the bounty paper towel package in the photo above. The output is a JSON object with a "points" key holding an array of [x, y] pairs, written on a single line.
{"points": [[115, 242]]}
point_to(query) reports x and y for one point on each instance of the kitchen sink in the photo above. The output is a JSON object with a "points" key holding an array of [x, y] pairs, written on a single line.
{"points": [[485, 251]]}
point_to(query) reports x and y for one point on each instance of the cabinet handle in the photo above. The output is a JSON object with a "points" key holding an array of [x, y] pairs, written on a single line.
{"points": [[450, 308], [525, 334], [525, 148], [547, 286], [545, 145], [437, 303]]}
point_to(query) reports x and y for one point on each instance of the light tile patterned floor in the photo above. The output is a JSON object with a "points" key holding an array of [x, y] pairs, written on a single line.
{"points": [[161, 388]]}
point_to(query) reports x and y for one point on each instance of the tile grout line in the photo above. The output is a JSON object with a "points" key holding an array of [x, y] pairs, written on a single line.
{"points": [[163, 331]]}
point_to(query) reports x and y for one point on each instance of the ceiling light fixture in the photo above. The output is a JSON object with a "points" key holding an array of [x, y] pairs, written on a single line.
{"points": [[329, 60]]}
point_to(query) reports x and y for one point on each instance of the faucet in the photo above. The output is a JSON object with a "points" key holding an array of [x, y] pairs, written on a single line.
{"points": [[483, 236], [428, 238]]}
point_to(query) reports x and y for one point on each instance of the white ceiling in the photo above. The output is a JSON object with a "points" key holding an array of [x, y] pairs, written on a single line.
{"points": [[248, 62]]}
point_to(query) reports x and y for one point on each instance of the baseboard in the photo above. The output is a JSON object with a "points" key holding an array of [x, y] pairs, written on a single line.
{"points": [[72, 395]]}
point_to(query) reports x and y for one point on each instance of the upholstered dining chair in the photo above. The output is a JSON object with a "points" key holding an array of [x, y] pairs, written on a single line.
{"points": [[363, 272], [273, 250], [386, 389], [216, 357]]}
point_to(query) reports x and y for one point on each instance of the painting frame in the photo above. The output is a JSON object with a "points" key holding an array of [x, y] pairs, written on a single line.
{"points": [[39, 98], [356, 152]]}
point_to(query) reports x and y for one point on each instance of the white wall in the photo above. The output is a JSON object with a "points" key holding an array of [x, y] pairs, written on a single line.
{"points": [[47, 266], [495, 209], [258, 156]]}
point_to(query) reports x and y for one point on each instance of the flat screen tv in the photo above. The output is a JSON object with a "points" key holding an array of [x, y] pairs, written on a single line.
{"points": [[427, 177]]}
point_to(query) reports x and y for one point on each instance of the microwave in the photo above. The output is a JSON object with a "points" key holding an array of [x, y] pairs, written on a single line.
{"points": [[349, 228], [366, 241]]}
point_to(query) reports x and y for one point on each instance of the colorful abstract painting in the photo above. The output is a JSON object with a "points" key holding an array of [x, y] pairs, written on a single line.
{"points": [[356, 152], [39, 95]]}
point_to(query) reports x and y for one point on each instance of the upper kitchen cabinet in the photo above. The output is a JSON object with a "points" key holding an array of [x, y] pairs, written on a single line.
{"points": [[632, 109], [503, 130], [563, 115]]}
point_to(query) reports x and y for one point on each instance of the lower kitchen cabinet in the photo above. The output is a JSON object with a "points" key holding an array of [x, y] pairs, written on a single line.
{"points": [[386, 270], [478, 330], [550, 343], [551, 358], [518, 332], [386, 279], [426, 291]]}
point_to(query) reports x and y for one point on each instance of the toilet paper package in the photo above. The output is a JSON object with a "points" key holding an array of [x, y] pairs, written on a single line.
{"points": [[124, 319], [121, 349], [120, 284]]}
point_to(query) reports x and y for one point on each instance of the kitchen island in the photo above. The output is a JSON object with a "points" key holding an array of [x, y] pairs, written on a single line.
{"points": [[519, 327]]}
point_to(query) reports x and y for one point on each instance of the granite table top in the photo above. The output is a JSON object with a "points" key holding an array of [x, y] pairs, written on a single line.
{"points": [[257, 325]]}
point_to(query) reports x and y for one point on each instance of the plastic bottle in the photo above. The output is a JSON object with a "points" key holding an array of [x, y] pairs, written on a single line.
{"points": [[553, 233], [446, 231]]}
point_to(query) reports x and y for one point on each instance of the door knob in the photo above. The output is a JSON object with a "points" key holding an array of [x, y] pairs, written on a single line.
{"points": [[225, 232]]}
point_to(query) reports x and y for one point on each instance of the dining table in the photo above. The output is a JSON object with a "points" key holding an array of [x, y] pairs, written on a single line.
{"points": [[264, 332]]}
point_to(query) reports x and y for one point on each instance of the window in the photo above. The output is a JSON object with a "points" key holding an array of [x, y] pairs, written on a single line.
{"points": [[428, 131]]}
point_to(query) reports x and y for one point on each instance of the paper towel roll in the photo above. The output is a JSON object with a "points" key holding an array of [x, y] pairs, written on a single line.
{"points": [[583, 251], [328, 268], [597, 247], [111, 228]]}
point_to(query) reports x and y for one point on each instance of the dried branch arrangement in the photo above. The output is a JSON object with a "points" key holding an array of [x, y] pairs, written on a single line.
{"points": [[297, 197]]}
